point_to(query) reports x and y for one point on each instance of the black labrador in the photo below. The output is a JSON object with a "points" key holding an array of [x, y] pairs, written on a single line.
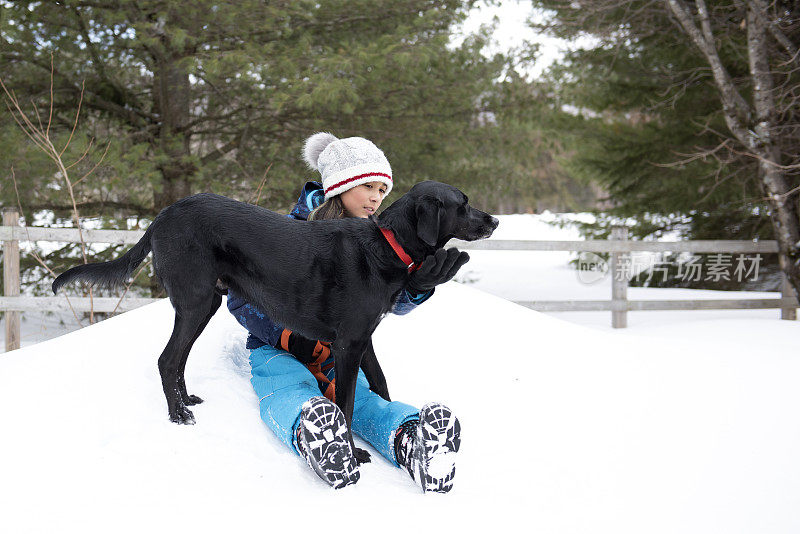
{"points": [[332, 280]]}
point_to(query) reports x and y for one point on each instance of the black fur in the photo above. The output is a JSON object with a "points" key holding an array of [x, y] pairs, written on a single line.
{"points": [[331, 280]]}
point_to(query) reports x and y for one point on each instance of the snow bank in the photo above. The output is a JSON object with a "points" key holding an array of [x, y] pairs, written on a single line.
{"points": [[565, 429]]}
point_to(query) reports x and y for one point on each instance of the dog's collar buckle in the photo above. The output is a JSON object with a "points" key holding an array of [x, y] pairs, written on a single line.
{"points": [[404, 257]]}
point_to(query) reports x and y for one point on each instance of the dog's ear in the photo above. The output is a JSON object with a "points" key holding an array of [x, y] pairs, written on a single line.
{"points": [[430, 211]]}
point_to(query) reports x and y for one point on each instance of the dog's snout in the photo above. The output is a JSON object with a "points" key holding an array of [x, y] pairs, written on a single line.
{"points": [[491, 224]]}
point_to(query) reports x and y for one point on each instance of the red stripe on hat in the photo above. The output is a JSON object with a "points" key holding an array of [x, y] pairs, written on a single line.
{"points": [[357, 178]]}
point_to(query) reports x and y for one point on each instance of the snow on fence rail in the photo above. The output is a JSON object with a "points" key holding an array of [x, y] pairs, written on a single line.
{"points": [[618, 246]]}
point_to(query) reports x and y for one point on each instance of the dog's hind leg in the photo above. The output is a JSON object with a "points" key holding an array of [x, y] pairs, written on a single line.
{"points": [[169, 363], [191, 400], [192, 300]]}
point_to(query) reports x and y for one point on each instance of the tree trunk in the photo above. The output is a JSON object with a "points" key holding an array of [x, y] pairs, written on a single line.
{"points": [[172, 93], [783, 202], [753, 128], [172, 99]]}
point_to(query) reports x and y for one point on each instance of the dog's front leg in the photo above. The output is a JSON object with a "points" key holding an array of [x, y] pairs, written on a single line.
{"points": [[374, 373], [347, 356]]}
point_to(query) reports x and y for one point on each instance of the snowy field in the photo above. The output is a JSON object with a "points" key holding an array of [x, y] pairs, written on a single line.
{"points": [[685, 422]]}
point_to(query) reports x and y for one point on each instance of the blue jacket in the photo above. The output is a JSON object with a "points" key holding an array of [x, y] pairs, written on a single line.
{"points": [[264, 330]]}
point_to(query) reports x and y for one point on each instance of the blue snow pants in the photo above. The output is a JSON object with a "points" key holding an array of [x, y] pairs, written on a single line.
{"points": [[283, 384]]}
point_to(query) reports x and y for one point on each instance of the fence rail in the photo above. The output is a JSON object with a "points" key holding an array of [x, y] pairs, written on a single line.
{"points": [[78, 304], [618, 246], [657, 305], [69, 235], [764, 247]]}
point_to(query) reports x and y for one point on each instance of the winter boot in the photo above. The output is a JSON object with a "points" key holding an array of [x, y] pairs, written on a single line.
{"points": [[322, 441], [427, 448]]}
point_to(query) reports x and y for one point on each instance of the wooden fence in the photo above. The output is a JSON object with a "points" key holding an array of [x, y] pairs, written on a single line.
{"points": [[618, 246], [12, 303]]}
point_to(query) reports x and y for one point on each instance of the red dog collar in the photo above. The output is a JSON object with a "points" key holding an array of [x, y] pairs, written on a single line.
{"points": [[405, 258]]}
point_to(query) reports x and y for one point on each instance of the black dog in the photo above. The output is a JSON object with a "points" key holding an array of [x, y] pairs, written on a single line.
{"points": [[331, 280]]}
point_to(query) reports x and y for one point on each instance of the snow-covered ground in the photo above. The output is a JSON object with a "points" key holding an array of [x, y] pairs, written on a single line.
{"points": [[683, 422]]}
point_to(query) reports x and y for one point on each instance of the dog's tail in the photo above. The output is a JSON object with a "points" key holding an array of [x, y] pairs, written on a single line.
{"points": [[108, 273]]}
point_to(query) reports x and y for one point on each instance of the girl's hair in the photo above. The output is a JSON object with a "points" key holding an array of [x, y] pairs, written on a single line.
{"points": [[333, 208]]}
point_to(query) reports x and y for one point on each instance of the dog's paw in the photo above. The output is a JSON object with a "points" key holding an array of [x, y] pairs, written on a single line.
{"points": [[182, 416], [361, 456], [191, 400]]}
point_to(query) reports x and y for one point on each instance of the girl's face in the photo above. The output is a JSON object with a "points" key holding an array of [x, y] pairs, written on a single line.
{"points": [[363, 200]]}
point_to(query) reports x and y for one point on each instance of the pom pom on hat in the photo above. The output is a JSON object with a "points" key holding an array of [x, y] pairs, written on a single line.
{"points": [[346, 163], [314, 147]]}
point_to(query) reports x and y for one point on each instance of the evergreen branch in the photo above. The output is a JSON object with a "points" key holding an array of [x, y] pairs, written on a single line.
{"points": [[210, 118], [75, 124], [79, 180], [97, 61], [96, 5], [227, 147], [130, 115], [85, 152]]}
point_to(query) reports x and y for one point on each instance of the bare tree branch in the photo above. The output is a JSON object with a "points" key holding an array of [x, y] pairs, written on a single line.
{"points": [[41, 137], [737, 112]]}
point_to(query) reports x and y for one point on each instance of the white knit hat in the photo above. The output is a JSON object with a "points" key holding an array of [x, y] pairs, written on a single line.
{"points": [[346, 163]]}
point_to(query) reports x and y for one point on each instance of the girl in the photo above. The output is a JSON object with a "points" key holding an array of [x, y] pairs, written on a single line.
{"points": [[289, 371]]}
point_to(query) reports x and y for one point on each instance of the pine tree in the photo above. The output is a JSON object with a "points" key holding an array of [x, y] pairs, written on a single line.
{"points": [[184, 97], [655, 128], [649, 129], [201, 95]]}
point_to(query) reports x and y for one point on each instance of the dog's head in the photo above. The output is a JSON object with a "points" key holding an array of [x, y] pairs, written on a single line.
{"points": [[439, 212]]}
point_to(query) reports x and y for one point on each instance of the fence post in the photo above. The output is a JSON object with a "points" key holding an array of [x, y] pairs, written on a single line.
{"points": [[787, 291], [619, 279], [11, 279]]}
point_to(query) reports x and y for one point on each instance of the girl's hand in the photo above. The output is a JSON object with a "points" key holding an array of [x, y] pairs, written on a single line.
{"points": [[437, 269], [307, 350]]}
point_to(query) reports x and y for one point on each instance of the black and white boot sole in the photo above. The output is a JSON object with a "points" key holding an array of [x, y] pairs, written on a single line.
{"points": [[439, 434], [324, 444]]}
